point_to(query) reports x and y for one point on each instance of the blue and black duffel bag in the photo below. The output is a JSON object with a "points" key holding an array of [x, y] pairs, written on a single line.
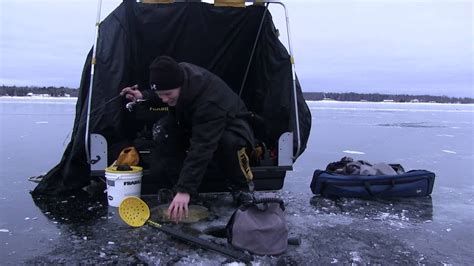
{"points": [[413, 183]]}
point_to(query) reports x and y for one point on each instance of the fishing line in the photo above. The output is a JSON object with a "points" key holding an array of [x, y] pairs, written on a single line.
{"points": [[92, 112], [67, 136]]}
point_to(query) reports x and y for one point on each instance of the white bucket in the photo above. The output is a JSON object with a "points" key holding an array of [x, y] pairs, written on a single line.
{"points": [[122, 184]]}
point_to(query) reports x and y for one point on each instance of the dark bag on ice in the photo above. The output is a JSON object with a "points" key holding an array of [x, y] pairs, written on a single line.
{"points": [[413, 183], [259, 227]]}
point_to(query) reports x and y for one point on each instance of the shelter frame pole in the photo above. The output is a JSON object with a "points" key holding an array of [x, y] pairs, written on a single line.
{"points": [[293, 72], [91, 83], [292, 61], [253, 51]]}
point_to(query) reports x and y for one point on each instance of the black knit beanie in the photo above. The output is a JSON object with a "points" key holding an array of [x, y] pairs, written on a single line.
{"points": [[165, 74]]}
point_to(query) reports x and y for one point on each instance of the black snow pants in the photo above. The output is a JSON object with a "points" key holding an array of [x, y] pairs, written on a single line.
{"points": [[171, 144]]}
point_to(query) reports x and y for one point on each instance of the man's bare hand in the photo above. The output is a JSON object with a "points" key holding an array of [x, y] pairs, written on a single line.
{"points": [[178, 208], [132, 93]]}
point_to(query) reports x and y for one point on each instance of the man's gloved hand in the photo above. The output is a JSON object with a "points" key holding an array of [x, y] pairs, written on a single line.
{"points": [[132, 93], [178, 208]]}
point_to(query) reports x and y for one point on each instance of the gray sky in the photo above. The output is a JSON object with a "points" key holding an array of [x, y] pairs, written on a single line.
{"points": [[384, 46]]}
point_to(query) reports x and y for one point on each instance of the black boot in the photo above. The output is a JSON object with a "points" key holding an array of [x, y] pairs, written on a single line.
{"points": [[240, 197]]}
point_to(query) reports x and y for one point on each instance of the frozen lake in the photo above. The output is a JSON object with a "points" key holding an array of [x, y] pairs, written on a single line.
{"points": [[437, 230]]}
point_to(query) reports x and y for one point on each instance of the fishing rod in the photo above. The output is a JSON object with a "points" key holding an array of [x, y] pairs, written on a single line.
{"points": [[92, 112], [129, 105], [104, 104]]}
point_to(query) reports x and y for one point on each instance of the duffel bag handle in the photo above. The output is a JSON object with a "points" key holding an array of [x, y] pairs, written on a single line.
{"points": [[269, 200], [367, 186]]}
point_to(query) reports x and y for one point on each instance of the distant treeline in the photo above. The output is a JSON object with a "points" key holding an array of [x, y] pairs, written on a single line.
{"points": [[314, 96], [376, 97], [24, 91]]}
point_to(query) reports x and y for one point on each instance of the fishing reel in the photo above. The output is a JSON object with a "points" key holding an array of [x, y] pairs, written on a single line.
{"points": [[131, 105]]}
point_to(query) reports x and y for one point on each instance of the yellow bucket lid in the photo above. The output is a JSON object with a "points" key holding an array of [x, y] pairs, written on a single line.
{"points": [[113, 169]]}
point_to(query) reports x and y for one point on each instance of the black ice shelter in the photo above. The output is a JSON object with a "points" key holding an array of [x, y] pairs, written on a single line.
{"points": [[239, 44]]}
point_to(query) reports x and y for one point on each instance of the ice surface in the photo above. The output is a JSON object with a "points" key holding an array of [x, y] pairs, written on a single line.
{"points": [[428, 231]]}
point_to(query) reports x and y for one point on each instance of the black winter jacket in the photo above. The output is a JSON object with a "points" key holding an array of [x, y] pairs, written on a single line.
{"points": [[205, 109]]}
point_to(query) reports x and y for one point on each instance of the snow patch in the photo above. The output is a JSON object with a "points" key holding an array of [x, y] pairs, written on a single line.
{"points": [[353, 152], [448, 151], [355, 256]]}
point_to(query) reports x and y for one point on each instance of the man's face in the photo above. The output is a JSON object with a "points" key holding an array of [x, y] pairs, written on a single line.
{"points": [[170, 97]]}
